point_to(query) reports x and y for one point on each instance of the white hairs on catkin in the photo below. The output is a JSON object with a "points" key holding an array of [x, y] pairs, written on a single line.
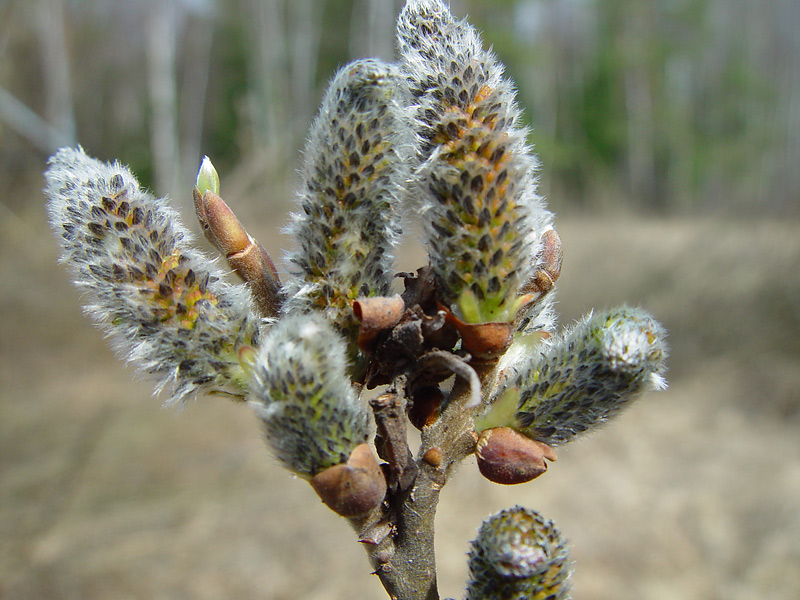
{"points": [[163, 304], [577, 381], [355, 167], [475, 182], [299, 388]]}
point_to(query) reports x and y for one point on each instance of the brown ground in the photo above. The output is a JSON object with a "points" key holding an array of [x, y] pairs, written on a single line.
{"points": [[692, 494]]}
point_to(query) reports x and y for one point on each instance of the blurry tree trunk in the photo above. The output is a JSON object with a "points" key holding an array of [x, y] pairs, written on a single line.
{"points": [[372, 28], [50, 19], [636, 38], [198, 40], [679, 134], [791, 158], [267, 103], [305, 22], [283, 40], [265, 109], [161, 48], [21, 119], [641, 135], [779, 60]]}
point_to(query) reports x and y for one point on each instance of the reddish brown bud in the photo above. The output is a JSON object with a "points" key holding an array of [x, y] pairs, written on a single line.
{"points": [[508, 457], [482, 340], [220, 225], [376, 314], [552, 254], [200, 213], [245, 256], [433, 456], [255, 267], [353, 488]]}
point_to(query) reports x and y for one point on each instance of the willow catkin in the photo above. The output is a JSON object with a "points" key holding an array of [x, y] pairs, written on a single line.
{"points": [[354, 169], [518, 555], [300, 390], [164, 306], [574, 383], [476, 178]]}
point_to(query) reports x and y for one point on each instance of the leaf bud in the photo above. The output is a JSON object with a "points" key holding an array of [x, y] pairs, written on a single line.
{"points": [[207, 177], [245, 255]]}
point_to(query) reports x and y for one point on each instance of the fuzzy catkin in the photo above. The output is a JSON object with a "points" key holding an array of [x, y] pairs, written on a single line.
{"points": [[587, 376], [300, 390], [518, 555], [354, 167], [476, 179], [163, 304]]}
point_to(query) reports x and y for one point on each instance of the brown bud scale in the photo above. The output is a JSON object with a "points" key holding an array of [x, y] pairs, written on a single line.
{"points": [[506, 456], [353, 488], [426, 401], [549, 259], [376, 314], [482, 340], [433, 456]]}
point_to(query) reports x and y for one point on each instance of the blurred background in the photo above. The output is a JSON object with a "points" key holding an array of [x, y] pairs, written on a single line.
{"points": [[669, 140]]}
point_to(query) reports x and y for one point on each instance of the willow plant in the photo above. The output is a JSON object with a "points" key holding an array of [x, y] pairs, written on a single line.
{"points": [[468, 352]]}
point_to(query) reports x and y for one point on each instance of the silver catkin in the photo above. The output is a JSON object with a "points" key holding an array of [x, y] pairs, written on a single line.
{"points": [[355, 165], [574, 383], [519, 555], [476, 179], [299, 388], [163, 305]]}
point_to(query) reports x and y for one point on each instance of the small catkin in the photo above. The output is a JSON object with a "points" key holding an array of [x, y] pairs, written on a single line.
{"points": [[576, 382], [476, 176], [518, 555], [354, 169], [162, 303], [300, 390]]}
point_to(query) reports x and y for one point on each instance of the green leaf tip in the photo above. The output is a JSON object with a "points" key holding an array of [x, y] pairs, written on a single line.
{"points": [[207, 177]]}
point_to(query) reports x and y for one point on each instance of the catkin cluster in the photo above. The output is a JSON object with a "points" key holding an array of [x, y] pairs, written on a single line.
{"points": [[438, 133]]}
